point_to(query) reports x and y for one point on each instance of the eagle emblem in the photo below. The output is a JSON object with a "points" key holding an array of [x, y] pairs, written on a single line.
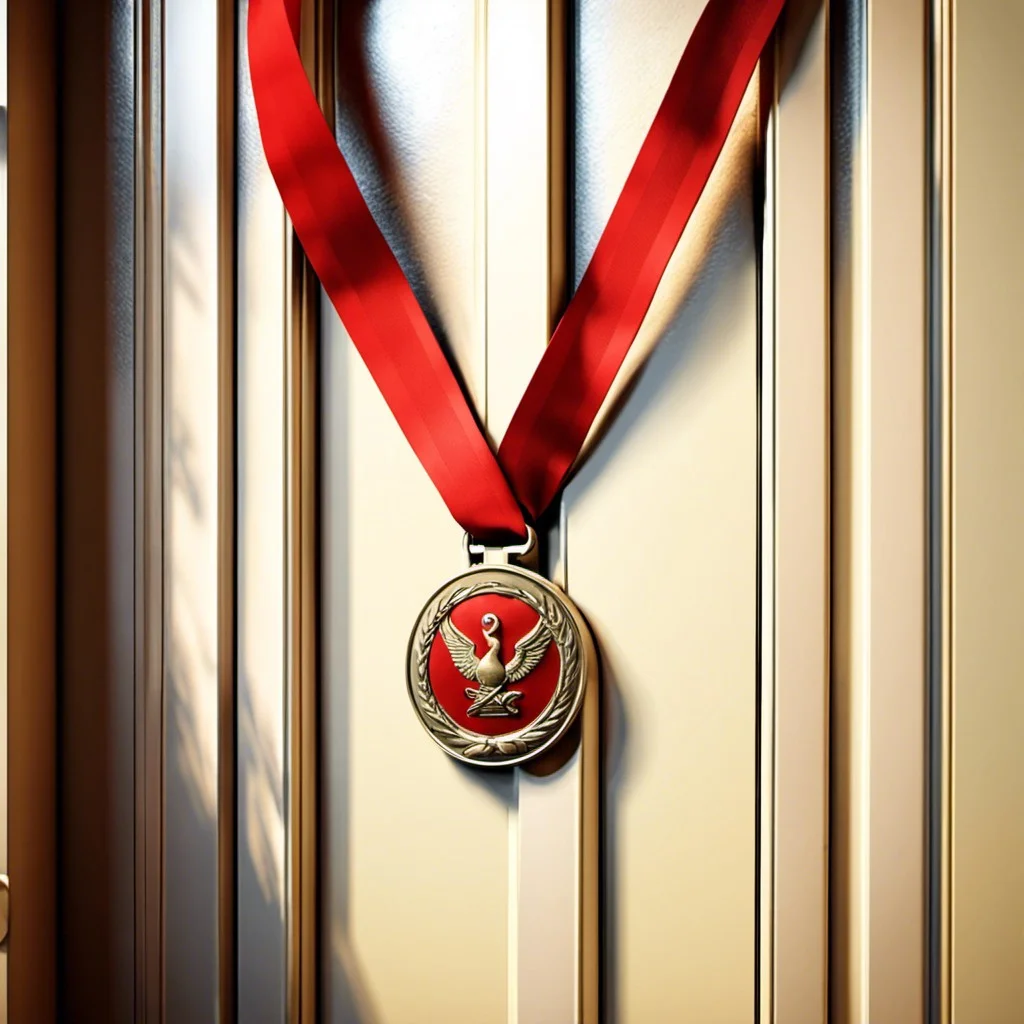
{"points": [[490, 698]]}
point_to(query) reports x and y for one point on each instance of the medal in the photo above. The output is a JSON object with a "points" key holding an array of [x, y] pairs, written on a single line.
{"points": [[498, 662], [500, 657]]}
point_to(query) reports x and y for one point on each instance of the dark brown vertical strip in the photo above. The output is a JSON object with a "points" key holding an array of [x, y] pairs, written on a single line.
{"points": [[561, 91], [96, 394], [32, 510], [305, 695], [227, 55], [301, 894], [86, 731], [326, 67], [304, 740]]}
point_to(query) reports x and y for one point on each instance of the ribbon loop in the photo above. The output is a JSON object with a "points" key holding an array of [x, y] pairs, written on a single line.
{"points": [[487, 494]]}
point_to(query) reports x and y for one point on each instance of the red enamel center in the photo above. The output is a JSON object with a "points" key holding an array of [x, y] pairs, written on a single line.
{"points": [[515, 619]]}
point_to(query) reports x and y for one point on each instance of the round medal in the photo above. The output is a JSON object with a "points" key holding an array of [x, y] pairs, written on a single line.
{"points": [[498, 663]]}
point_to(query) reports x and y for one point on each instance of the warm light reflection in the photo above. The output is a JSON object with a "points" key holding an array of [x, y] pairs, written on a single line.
{"points": [[191, 573], [261, 535]]}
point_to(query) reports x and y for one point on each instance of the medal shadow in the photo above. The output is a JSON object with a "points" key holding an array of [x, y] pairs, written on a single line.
{"points": [[614, 770], [714, 257]]}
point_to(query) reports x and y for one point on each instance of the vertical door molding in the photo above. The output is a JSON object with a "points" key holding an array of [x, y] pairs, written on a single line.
{"points": [[31, 510], [939, 907], [553, 854], [880, 450], [227, 27], [149, 512], [4, 499], [663, 552], [263, 579], [197, 322], [986, 494], [795, 397], [302, 450], [99, 645]]}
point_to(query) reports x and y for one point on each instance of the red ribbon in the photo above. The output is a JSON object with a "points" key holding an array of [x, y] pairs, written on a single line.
{"points": [[376, 303]]}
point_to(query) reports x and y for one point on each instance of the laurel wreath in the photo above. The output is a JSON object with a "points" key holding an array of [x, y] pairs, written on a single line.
{"points": [[475, 747]]}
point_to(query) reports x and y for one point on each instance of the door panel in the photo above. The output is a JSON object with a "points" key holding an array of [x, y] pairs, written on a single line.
{"points": [[740, 832], [193, 290], [417, 847], [662, 555], [261, 289], [987, 488]]}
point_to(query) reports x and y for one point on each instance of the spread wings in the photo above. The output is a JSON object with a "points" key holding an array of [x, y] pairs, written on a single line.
{"points": [[529, 651], [460, 647]]}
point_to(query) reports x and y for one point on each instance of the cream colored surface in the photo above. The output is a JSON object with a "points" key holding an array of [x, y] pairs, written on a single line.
{"points": [[450, 894], [416, 853], [796, 464], [191, 513], [262, 281], [988, 499], [550, 863], [662, 558], [880, 519]]}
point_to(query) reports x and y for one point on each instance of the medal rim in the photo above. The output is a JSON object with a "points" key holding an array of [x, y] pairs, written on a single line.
{"points": [[586, 663]]}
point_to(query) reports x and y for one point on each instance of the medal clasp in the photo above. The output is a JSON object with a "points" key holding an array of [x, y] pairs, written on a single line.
{"points": [[525, 554]]}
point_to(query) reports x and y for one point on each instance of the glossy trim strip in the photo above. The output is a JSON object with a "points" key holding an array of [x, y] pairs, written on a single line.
{"points": [[302, 546], [796, 397], [261, 581], [4, 473], [227, 719], [940, 223], [880, 302], [194, 560], [521, 72]]}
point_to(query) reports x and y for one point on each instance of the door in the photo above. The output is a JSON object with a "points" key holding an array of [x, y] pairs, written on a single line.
{"points": [[756, 815]]}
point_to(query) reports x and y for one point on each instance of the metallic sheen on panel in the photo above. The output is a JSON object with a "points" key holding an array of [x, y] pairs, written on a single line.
{"points": [[880, 500]]}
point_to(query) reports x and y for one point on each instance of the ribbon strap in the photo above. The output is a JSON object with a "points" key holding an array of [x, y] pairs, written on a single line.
{"points": [[487, 494], [366, 285]]}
